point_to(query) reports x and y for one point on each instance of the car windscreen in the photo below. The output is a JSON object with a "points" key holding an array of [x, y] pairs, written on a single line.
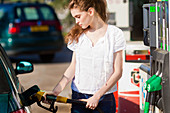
{"points": [[31, 13]]}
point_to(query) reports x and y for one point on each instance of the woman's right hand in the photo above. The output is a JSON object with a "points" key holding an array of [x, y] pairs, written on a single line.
{"points": [[45, 97]]}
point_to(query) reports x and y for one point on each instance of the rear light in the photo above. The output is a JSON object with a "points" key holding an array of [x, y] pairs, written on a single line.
{"points": [[13, 29], [19, 111], [58, 26]]}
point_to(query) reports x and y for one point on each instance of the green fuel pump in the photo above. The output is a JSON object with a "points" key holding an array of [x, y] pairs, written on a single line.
{"points": [[156, 35]]}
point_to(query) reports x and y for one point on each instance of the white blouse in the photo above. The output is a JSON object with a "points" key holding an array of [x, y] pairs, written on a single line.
{"points": [[94, 64]]}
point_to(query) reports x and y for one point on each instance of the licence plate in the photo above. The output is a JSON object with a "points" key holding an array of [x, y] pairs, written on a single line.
{"points": [[39, 28]]}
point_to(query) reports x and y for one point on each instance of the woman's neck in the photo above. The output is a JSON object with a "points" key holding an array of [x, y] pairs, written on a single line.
{"points": [[96, 24]]}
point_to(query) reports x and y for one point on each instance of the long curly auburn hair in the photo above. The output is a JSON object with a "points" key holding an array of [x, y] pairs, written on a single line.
{"points": [[84, 5]]}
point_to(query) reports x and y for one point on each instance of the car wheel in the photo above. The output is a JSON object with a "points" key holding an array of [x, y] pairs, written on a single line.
{"points": [[46, 57]]}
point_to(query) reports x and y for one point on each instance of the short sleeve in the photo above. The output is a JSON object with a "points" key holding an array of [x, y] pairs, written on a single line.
{"points": [[119, 41], [72, 46]]}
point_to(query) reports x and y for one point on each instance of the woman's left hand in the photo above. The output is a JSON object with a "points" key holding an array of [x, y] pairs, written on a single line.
{"points": [[92, 102]]}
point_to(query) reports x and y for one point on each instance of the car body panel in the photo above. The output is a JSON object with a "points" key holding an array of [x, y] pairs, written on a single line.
{"points": [[4, 103]]}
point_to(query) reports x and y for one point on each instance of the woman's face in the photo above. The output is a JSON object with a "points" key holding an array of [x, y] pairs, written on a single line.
{"points": [[83, 18]]}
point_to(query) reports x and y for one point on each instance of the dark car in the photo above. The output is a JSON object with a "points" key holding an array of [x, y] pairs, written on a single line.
{"points": [[27, 28], [10, 87]]}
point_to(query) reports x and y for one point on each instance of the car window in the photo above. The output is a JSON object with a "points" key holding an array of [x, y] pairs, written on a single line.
{"points": [[31, 13], [1, 13], [47, 13], [8, 91], [8, 64], [4, 86], [18, 11], [4, 10], [4, 91], [13, 94]]}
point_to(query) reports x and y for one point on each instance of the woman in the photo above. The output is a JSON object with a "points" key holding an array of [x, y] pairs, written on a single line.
{"points": [[96, 64]]}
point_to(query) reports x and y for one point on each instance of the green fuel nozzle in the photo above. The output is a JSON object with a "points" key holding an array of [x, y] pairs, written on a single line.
{"points": [[152, 84], [155, 85], [149, 81]]}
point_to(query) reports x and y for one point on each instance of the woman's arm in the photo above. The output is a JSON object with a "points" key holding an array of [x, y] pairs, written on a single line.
{"points": [[67, 77], [117, 73]]}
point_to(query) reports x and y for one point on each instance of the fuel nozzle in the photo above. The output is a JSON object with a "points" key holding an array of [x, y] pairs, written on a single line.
{"points": [[155, 85], [34, 94], [27, 97], [149, 81]]}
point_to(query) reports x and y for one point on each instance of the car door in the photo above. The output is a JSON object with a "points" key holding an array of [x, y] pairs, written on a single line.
{"points": [[10, 99]]}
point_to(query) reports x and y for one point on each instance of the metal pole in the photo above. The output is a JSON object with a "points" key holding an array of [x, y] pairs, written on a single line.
{"points": [[169, 37]]}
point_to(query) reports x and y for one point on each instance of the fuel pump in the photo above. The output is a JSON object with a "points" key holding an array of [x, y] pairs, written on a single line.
{"points": [[156, 35]]}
